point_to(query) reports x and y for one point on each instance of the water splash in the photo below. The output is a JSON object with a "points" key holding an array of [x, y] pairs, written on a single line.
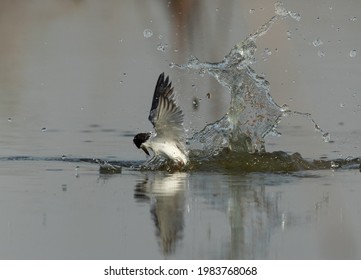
{"points": [[325, 135], [147, 33], [162, 47], [261, 162], [252, 114], [353, 53], [237, 140], [281, 11], [317, 42]]}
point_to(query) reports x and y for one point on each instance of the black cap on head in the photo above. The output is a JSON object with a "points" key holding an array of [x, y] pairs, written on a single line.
{"points": [[140, 138]]}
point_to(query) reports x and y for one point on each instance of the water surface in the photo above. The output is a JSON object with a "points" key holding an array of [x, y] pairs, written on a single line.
{"points": [[76, 82], [61, 210]]}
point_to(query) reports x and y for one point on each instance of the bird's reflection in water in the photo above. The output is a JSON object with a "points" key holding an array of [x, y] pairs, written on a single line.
{"points": [[251, 209], [165, 193], [253, 215]]}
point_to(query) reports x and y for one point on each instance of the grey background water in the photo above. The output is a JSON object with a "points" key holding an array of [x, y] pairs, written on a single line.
{"points": [[76, 79]]}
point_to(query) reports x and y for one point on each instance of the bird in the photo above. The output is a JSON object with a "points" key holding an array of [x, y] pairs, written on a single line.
{"points": [[168, 139]]}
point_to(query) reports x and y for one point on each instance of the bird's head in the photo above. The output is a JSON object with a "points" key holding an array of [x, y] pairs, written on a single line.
{"points": [[139, 139]]}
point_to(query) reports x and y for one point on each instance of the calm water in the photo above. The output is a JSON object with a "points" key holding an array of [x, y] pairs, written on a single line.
{"points": [[76, 80]]}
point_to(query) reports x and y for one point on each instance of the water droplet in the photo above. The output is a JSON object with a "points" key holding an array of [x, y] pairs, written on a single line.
{"points": [[217, 9], [349, 158], [342, 105], [317, 42], [353, 53], [326, 137], [43, 129], [267, 51], [172, 64], [63, 157], [120, 82], [160, 37], [147, 33], [321, 53], [285, 108], [289, 34], [76, 171], [10, 120], [202, 72], [353, 19], [251, 11], [161, 47], [334, 165], [295, 16], [195, 103], [276, 133], [280, 10]]}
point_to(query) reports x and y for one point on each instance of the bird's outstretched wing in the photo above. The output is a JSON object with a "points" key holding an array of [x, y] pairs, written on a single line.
{"points": [[165, 115]]}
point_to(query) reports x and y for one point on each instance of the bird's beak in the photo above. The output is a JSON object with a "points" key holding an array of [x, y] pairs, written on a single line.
{"points": [[145, 150]]}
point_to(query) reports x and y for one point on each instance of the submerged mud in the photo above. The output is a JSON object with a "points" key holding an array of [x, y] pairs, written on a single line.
{"points": [[278, 161]]}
